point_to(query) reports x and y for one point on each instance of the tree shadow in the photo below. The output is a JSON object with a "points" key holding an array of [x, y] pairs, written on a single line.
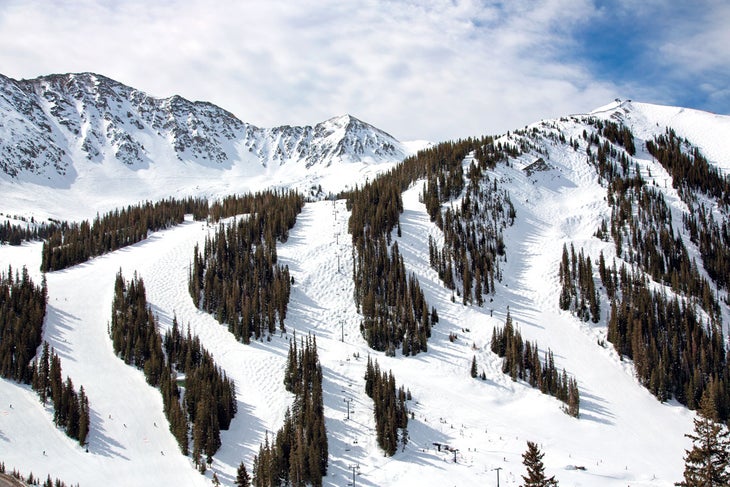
{"points": [[99, 443], [240, 443], [61, 324], [592, 408]]}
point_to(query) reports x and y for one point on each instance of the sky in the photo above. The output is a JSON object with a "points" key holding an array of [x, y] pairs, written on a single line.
{"points": [[432, 69]]}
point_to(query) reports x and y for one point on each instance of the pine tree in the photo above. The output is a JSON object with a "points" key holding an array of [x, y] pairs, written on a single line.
{"points": [[474, 366], [707, 464], [242, 478], [84, 419], [532, 459]]}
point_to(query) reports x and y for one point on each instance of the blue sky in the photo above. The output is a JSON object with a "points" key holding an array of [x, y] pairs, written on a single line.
{"points": [[428, 69], [668, 52]]}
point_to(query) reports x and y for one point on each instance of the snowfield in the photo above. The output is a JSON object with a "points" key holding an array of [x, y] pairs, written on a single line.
{"points": [[624, 436]]}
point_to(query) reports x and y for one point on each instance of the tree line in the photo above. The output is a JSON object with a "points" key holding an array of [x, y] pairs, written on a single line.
{"points": [[15, 234], [390, 411], [298, 454], [22, 311], [522, 361], [210, 396], [207, 400], [390, 300], [395, 312], [689, 169], [73, 243], [236, 276]]}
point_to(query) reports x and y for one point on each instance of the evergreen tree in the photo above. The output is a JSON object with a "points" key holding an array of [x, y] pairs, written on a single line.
{"points": [[707, 464], [474, 366], [532, 459], [242, 478]]}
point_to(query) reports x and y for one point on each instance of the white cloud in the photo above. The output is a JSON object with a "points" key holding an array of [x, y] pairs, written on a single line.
{"points": [[702, 43], [435, 70]]}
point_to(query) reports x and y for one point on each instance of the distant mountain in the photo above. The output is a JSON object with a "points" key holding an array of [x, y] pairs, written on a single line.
{"points": [[53, 126]]}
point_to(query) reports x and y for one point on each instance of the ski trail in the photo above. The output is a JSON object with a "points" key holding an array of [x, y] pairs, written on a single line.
{"points": [[319, 255], [124, 408]]}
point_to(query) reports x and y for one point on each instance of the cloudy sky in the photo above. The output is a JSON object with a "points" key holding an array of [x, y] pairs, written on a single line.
{"points": [[427, 69]]}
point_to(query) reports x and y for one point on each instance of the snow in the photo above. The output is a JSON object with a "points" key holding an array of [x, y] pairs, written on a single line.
{"points": [[624, 435], [706, 130]]}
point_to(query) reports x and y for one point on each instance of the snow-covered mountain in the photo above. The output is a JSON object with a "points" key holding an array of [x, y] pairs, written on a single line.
{"points": [[624, 436], [72, 130]]}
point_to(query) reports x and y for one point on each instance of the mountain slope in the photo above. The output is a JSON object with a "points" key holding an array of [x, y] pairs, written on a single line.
{"points": [[63, 134], [624, 435]]}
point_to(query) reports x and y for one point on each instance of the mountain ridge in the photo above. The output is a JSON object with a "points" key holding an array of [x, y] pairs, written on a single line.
{"points": [[66, 132], [59, 117]]}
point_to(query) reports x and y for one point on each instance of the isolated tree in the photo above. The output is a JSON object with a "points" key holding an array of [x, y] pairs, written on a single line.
{"points": [[473, 370], [707, 463], [532, 459]]}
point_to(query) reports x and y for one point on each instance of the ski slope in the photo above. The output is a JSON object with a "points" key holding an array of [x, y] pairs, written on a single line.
{"points": [[624, 436]]}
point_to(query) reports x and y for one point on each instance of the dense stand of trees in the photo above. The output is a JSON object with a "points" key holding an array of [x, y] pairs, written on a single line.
{"points": [[210, 396], [395, 312], [390, 411], [15, 234], [577, 288], [72, 244], [676, 353], [236, 276], [209, 399], [297, 455], [522, 361], [675, 341], [22, 311], [689, 169], [70, 408], [618, 134]]}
